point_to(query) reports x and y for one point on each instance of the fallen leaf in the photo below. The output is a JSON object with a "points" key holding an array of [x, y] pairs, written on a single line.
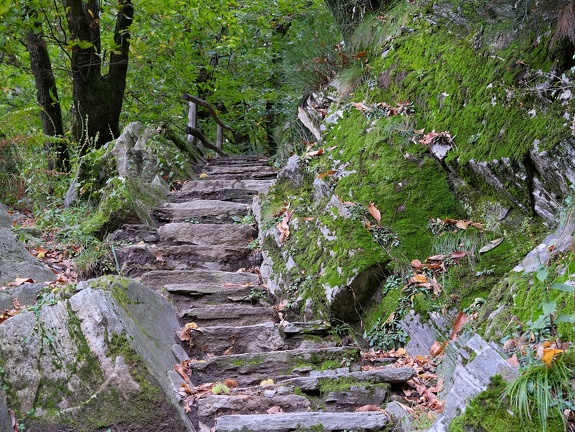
{"points": [[315, 153], [435, 258], [182, 372], [229, 351], [513, 361], [461, 224], [459, 322], [267, 382], [368, 408], [416, 264], [325, 174], [401, 352], [191, 325], [21, 281], [458, 254], [203, 176], [372, 209], [275, 410], [438, 348], [491, 245], [549, 354], [283, 226], [419, 278], [231, 383]]}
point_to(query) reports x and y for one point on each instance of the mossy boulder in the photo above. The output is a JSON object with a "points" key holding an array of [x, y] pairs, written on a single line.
{"points": [[97, 360]]}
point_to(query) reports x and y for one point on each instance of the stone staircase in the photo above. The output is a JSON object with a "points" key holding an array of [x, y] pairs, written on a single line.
{"points": [[270, 374]]}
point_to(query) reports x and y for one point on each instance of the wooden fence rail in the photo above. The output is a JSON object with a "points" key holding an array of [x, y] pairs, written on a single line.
{"points": [[192, 129]]}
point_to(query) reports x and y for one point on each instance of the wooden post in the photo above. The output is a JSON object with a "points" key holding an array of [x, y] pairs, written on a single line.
{"points": [[220, 137], [192, 122]]}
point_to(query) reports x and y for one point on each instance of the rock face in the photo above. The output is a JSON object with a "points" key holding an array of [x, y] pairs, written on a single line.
{"points": [[76, 361]]}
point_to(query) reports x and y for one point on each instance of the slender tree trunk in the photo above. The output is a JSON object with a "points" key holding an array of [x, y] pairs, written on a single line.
{"points": [[97, 98], [47, 96]]}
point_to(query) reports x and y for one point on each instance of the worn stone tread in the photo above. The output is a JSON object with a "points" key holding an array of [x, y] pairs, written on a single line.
{"points": [[215, 185], [251, 368], [207, 234], [217, 405], [230, 314], [137, 259], [255, 338], [161, 278], [364, 421], [204, 211], [390, 375]]}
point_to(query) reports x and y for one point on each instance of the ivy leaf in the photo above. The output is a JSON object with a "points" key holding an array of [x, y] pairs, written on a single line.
{"points": [[565, 318], [563, 287], [549, 307], [542, 274]]}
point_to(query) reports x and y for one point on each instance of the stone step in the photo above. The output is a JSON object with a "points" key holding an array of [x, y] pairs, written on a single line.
{"points": [[208, 234], [237, 169], [216, 340], [313, 382], [215, 293], [200, 211], [231, 315], [247, 176], [225, 190], [135, 260], [158, 279], [252, 368], [135, 233], [217, 405], [239, 160], [303, 421]]}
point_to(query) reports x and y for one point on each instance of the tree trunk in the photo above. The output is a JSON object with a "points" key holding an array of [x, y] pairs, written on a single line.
{"points": [[47, 97], [97, 99]]}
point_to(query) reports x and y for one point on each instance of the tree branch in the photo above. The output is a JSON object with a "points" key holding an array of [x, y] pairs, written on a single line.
{"points": [[205, 142]]}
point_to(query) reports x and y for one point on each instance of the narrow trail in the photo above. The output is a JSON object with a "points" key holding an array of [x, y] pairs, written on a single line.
{"points": [[250, 370]]}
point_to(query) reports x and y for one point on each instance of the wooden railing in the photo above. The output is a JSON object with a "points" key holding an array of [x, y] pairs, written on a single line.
{"points": [[194, 133]]}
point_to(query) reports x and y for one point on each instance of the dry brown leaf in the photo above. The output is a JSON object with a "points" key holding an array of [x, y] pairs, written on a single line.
{"points": [[435, 258], [458, 254], [368, 408], [549, 354], [21, 281], [461, 224], [459, 322], [513, 361], [372, 209], [325, 174], [231, 383], [438, 348], [419, 279], [275, 410], [229, 351], [416, 264], [182, 372], [315, 153]]}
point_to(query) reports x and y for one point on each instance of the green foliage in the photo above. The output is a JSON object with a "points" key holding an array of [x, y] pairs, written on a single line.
{"points": [[544, 390]]}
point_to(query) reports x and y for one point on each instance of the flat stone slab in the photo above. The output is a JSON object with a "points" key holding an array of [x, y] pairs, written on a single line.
{"points": [[238, 315], [310, 327], [250, 369], [367, 421], [238, 160], [190, 295], [204, 211], [208, 234], [137, 259], [161, 278], [240, 340], [388, 375], [217, 405], [238, 169], [135, 233], [215, 185]]}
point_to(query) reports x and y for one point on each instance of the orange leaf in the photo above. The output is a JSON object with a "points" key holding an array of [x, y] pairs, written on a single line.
{"points": [[438, 348], [325, 174], [315, 153], [419, 278], [275, 410], [372, 209], [549, 354], [21, 281], [458, 324], [367, 408]]}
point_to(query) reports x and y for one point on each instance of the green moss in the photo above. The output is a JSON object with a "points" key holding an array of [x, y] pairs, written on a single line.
{"points": [[488, 412], [344, 383]]}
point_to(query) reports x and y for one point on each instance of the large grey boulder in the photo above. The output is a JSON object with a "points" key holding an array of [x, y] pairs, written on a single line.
{"points": [[97, 360], [17, 262]]}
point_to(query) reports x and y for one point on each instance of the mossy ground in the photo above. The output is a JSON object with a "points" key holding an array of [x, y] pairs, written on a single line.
{"points": [[488, 412]]}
